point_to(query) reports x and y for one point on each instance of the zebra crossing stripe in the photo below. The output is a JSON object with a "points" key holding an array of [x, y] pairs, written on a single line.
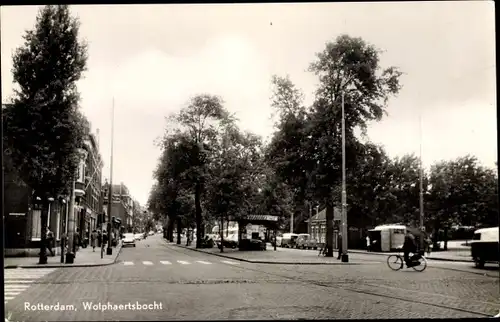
{"points": [[203, 262], [17, 282], [183, 262], [8, 298], [231, 263], [165, 262], [147, 263], [128, 263]]}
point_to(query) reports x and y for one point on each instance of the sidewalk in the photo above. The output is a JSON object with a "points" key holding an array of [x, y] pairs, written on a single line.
{"points": [[85, 257], [300, 256], [269, 256]]}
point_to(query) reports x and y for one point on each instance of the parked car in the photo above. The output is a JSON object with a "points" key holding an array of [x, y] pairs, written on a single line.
{"points": [[138, 236], [484, 246], [305, 241], [230, 241], [288, 240], [279, 237], [151, 233], [128, 239]]}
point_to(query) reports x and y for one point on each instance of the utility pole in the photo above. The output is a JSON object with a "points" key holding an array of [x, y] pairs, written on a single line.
{"points": [[291, 223], [421, 189], [70, 256], [109, 250], [310, 218], [345, 256]]}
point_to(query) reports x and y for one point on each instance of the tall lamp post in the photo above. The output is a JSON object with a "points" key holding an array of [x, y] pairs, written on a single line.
{"points": [[109, 250], [70, 256], [345, 256], [421, 189]]}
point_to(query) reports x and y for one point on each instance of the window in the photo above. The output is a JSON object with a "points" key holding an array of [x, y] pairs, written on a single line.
{"points": [[477, 236], [36, 228]]}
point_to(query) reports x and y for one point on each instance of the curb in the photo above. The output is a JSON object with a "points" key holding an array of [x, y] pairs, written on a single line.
{"points": [[264, 262], [59, 265]]}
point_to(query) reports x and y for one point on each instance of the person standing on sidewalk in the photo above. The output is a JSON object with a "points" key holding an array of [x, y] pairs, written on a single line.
{"points": [[368, 243], [50, 241], [93, 239]]}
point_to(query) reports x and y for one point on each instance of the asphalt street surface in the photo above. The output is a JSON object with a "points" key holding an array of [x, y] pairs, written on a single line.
{"points": [[181, 284]]}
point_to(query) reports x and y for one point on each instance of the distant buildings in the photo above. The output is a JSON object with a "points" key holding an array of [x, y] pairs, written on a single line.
{"points": [[121, 206]]}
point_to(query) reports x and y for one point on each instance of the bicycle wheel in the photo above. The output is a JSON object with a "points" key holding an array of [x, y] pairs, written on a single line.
{"points": [[395, 262], [422, 266]]}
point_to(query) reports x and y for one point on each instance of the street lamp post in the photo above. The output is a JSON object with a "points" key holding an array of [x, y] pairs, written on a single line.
{"points": [[345, 256], [421, 189], [109, 250]]}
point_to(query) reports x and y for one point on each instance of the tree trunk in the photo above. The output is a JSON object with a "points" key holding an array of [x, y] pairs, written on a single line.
{"points": [[179, 228], [197, 201], [43, 237], [445, 238], [171, 224], [222, 234], [329, 228]]}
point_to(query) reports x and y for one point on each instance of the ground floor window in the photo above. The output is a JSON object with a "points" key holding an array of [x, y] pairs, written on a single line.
{"points": [[36, 222]]}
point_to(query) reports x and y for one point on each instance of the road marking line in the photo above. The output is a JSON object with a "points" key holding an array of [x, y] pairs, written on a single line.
{"points": [[128, 263], [11, 293], [203, 262], [15, 282], [229, 262], [9, 298], [147, 263], [165, 262], [183, 262]]}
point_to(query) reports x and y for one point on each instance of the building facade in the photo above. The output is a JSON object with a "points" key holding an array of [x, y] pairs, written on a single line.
{"points": [[88, 188], [22, 223], [121, 206]]}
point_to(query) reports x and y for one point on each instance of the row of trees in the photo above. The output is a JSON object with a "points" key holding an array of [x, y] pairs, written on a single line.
{"points": [[43, 127], [212, 169]]}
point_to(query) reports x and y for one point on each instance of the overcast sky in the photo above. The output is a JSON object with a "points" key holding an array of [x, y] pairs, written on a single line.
{"points": [[152, 58]]}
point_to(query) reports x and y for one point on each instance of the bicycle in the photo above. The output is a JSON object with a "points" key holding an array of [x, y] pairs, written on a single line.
{"points": [[396, 262]]}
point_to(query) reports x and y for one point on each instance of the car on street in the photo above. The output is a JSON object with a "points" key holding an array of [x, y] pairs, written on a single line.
{"points": [[139, 236], [128, 239], [484, 246], [288, 240], [151, 233], [230, 241], [304, 241]]}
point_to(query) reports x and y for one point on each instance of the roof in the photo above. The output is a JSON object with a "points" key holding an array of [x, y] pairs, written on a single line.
{"points": [[389, 227], [321, 216], [260, 218]]}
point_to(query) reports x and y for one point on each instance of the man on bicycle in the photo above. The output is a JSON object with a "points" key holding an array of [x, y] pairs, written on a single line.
{"points": [[409, 246]]}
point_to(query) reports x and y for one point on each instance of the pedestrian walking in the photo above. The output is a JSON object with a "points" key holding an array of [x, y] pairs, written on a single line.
{"points": [[368, 243], [339, 243], [76, 240], [50, 241], [99, 238], [93, 240]]}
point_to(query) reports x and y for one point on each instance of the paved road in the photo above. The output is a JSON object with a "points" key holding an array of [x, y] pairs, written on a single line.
{"points": [[196, 286]]}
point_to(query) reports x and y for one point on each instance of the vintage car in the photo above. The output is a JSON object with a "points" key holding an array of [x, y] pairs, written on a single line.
{"points": [[485, 247], [230, 241], [288, 240], [305, 241]]}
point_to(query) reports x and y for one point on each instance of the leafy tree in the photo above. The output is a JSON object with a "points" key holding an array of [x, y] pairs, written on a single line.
{"points": [[349, 66], [462, 192], [199, 122], [43, 127]]}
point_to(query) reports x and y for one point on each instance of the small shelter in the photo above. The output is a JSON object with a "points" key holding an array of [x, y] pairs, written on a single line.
{"points": [[255, 226]]}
